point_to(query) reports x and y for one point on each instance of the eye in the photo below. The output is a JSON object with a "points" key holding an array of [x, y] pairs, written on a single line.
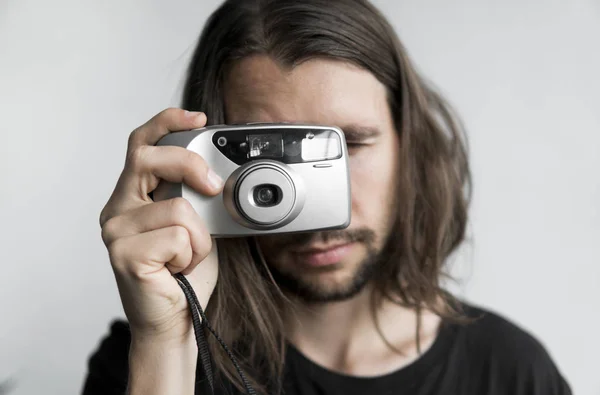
{"points": [[354, 146]]}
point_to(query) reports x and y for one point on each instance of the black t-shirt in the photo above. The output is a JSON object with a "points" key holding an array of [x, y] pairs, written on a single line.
{"points": [[490, 356]]}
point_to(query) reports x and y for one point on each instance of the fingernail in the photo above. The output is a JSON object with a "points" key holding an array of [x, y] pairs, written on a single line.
{"points": [[214, 180], [192, 114], [200, 119]]}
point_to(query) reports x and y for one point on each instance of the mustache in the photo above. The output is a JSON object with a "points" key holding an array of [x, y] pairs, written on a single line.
{"points": [[303, 240]]}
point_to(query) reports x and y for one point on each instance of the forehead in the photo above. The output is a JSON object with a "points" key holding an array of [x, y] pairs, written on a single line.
{"points": [[320, 91]]}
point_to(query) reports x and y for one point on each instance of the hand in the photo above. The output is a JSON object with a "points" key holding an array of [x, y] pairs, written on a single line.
{"points": [[149, 241]]}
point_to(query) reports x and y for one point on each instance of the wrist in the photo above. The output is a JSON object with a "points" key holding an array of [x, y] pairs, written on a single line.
{"points": [[173, 334], [162, 365], [181, 343]]}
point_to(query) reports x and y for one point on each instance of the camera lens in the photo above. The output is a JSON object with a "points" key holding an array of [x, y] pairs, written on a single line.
{"points": [[266, 195]]}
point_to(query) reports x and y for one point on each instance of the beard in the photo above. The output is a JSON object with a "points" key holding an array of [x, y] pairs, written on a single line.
{"points": [[312, 291]]}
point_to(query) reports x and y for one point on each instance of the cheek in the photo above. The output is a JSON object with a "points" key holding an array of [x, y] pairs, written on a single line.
{"points": [[371, 184]]}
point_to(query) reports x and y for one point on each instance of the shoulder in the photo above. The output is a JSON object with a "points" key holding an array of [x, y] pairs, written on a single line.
{"points": [[491, 332], [108, 366], [505, 352]]}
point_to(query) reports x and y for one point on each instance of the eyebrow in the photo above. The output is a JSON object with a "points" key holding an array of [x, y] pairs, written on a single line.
{"points": [[359, 132]]}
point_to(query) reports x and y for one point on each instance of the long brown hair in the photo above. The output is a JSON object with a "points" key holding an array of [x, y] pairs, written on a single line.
{"points": [[434, 180]]}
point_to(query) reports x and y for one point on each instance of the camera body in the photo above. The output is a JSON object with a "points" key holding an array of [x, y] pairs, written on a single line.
{"points": [[279, 178]]}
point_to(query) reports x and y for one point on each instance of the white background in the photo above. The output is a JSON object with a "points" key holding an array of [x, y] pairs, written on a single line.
{"points": [[77, 76]]}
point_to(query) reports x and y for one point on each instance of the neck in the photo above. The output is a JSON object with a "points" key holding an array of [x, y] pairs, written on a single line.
{"points": [[343, 336]]}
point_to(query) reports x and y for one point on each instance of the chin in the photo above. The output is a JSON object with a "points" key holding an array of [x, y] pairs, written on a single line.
{"points": [[326, 283]]}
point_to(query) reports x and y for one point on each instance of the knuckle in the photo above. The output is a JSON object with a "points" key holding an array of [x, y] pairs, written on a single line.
{"points": [[138, 157], [109, 230], [103, 218], [167, 113], [181, 208], [205, 247], [194, 163], [180, 237], [135, 136], [203, 241]]}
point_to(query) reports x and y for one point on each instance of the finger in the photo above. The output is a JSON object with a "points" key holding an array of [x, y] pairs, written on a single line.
{"points": [[150, 164], [144, 254], [169, 120], [167, 213], [147, 166]]}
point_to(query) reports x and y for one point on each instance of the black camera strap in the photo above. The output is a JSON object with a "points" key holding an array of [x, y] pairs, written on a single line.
{"points": [[200, 323]]}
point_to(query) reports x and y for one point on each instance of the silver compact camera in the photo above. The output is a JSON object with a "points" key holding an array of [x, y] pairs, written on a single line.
{"points": [[279, 178]]}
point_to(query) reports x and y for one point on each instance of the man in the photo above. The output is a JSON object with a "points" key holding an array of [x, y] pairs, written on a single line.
{"points": [[354, 311]]}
